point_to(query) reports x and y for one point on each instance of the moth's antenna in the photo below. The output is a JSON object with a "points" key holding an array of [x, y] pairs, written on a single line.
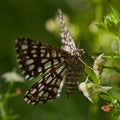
{"points": [[78, 45]]}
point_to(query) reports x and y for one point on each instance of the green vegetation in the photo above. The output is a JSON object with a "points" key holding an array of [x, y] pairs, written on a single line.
{"points": [[96, 25]]}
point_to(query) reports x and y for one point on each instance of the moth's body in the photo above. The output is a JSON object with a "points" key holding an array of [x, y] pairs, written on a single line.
{"points": [[55, 66], [74, 69], [75, 66]]}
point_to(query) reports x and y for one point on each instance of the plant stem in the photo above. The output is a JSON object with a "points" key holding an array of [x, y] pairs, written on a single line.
{"points": [[4, 102], [3, 113], [98, 18]]}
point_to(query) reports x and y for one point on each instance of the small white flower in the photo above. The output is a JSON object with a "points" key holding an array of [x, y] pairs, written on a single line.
{"points": [[91, 89], [98, 64], [12, 76], [83, 88]]}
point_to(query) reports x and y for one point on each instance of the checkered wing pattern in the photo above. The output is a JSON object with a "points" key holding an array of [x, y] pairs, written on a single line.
{"points": [[68, 43], [36, 58]]}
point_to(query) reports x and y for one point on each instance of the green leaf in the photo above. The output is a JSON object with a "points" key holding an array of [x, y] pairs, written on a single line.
{"points": [[116, 112], [92, 75], [101, 26], [105, 97], [111, 23]]}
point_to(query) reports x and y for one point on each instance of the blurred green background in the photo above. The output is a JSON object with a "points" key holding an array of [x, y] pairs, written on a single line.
{"points": [[28, 18]]}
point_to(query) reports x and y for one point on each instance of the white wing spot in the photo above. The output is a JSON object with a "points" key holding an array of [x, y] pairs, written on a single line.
{"points": [[45, 94], [28, 101], [53, 82], [25, 99], [20, 66], [24, 47], [59, 69], [50, 88], [55, 90], [44, 60], [47, 65], [50, 97], [27, 57], [23, 72], [49, 80], [61, 86], [33, 91], [58, 82], [27, 76], [34, 46], [25, 52], [16, 41], [39, 85], [54, 54], [33, 51], [34, 55], [39, 69], [31, 67], [40, 93], [33, 103], [29, 61], [41, 88], [48, 55], [42, 51], [59, 55], [26, 92]]}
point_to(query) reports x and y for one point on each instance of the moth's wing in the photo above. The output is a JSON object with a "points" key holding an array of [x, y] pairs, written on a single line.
{"points": [[68, 43], [35, 58], [48, 87]]}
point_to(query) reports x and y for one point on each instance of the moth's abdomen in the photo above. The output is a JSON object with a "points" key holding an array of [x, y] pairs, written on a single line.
{"points": [[70, 84], [74, 70]]}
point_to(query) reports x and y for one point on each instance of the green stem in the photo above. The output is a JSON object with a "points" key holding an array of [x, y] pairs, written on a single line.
{"points": [[4, 102], [97, 38], [2, 110], [94, 109], [99, 10], [98, 18], [8, 93]]}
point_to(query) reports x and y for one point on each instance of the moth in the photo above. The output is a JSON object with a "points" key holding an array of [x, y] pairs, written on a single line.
{"points": [[57, 67]]}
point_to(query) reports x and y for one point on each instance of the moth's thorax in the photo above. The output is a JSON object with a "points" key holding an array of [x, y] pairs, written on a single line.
{"points": [[72, 51], [76, 65], [78, 53]]}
